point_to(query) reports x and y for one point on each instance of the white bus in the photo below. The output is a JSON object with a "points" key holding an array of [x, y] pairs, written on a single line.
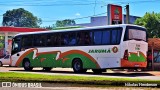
{"points": [[96, 48]]}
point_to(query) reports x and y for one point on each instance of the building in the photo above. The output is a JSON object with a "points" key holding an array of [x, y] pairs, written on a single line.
{"points": [[154, 49], [102, 20]]}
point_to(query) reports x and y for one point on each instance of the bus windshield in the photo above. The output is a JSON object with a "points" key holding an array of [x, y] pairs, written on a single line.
{"points": [[136, 33], [15, 45]]}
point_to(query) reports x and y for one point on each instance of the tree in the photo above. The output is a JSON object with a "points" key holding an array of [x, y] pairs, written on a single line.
{"points": [[48, 27], [20, 18], [1, 42], [66, 22], [1, 45], [151, 21]]}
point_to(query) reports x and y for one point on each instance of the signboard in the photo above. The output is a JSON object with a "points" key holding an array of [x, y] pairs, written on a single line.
{"points": [[9, 46], [114, 14]]}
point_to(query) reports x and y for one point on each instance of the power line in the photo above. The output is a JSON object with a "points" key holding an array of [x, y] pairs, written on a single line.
{"points": [[68, 4], [78, 18], [50, 4], [95, 7], [133, 2], [63, 19], [71, 4], [143, 1]]}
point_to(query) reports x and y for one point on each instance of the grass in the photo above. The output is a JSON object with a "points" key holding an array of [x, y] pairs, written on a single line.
{"points": [[85, 80]]}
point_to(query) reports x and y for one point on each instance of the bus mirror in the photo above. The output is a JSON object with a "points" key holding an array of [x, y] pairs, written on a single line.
{"points": [[23, 49]]}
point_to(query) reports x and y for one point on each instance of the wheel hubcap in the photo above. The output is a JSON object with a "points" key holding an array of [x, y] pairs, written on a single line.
{"points": [[27, 64], [77, 66]]}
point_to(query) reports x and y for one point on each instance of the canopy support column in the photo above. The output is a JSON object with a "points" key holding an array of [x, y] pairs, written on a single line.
{"points": [[6, 43]]}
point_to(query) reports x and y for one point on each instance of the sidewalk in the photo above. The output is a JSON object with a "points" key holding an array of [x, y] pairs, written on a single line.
{"points": [[155, 73]]}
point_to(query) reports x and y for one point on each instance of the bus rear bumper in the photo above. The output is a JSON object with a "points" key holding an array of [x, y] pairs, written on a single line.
{"points": [[126, 63]]}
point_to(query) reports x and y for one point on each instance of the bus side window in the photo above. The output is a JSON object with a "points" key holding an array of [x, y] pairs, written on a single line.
{"points": [[119, 34], [36, 40], [97, 37], [58, 41], [39, 40], [114, 37], [106, 37], [42, 40], [48, 42], [30, 41], [88, 38], [23, 43], [52, 40], [72, 39], [65, 39], [27, 41], [80, 38]]}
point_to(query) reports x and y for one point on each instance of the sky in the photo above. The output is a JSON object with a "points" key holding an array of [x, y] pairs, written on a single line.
{"points": [[80, 10]]}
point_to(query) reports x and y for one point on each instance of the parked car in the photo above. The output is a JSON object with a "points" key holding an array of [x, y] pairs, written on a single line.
{"points": [[5, 60]]}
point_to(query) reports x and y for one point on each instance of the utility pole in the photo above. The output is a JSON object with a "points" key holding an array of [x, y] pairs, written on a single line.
{"points": [[152, 56], [127, 14]]}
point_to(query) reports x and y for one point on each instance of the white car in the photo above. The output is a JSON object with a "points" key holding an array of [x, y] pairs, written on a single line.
{"points": [[5, 60]]}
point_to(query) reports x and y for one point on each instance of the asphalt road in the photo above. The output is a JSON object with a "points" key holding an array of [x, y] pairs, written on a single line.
{"points": [[150, 75]]}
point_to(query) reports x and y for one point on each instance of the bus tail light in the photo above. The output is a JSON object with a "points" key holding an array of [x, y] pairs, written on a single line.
{"points": [[125, 55]]}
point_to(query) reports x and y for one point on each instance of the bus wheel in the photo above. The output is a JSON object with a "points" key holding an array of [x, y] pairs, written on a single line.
{"points": [[78, 66], [97, 71], [84, 70], [1, 64], [47, 68], [26, 65]]}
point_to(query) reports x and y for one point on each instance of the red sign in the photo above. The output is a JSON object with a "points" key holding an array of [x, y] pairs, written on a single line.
{"points": [[114, 14], [9, 41]]}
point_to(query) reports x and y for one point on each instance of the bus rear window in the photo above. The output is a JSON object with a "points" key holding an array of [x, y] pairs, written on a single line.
{"points": [[135, 33]]}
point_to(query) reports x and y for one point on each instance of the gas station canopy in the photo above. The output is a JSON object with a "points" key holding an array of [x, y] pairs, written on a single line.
{"points": [[19, 29], [12, 31]]}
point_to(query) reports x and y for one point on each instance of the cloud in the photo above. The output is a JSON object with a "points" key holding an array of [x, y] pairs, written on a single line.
{"points": [[78, 14]]}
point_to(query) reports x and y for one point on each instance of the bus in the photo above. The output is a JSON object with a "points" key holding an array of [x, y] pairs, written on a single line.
{"points": [[97, 48]]}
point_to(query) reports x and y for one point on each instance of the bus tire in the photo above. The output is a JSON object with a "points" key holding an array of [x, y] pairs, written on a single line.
{"points": [[27, 65], [47, 68], [1, 64], [84, 70], [77, 66], [98, 71]]}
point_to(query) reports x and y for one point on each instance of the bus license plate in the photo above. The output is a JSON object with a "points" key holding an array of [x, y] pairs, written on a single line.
{"points": [[136, 65]]}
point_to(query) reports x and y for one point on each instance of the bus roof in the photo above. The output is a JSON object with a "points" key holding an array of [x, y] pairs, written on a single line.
{"points": [[79, 29]]}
